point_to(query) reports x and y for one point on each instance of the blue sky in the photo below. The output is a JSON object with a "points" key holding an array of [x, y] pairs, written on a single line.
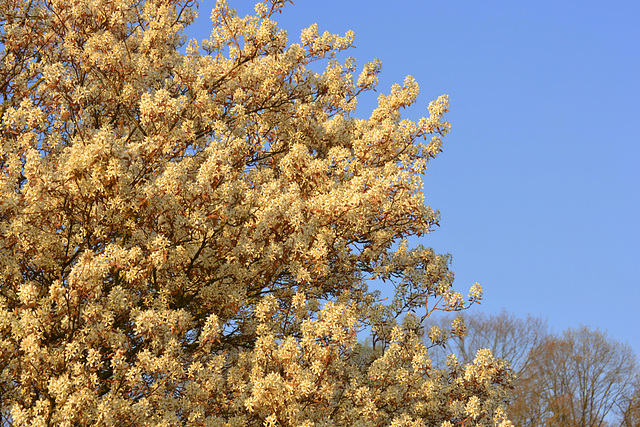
{"points": [[539, 181]]}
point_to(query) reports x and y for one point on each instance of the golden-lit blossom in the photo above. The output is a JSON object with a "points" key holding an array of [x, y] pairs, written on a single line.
{"points": [[189, 236]]}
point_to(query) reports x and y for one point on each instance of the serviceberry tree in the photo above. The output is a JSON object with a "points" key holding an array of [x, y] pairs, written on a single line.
{"points": [[188, 237]]}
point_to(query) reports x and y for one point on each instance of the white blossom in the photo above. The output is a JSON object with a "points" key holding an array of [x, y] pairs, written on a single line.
{"points": [[189, 238]]}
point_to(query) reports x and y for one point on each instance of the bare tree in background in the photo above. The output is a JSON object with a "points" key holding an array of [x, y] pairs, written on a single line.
{"points": [[630, 408], [582, 378], [506, 335]]}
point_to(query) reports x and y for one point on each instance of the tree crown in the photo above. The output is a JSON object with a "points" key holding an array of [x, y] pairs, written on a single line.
{"points": [[187, 239]]}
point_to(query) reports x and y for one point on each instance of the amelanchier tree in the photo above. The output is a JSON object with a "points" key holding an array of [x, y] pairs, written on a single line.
{"points": [[188, 238]]}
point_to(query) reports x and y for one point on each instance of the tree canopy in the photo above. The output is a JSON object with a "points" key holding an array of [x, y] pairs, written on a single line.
{"points": [[188, 237]]}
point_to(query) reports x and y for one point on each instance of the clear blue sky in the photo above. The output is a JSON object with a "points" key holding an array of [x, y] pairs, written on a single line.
{"points": [[539, 182]]}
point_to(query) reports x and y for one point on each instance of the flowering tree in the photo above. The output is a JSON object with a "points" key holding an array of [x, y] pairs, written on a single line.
{"points": [[187, 238]]}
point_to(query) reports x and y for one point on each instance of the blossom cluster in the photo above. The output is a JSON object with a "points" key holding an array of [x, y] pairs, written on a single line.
{"points": [[189, 238]]}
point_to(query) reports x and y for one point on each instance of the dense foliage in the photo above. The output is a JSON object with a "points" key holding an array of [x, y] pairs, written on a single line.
{"points": [[188, 238]]}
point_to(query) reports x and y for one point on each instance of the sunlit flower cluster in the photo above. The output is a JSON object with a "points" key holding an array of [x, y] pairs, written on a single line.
{"points": [[189, 238]]}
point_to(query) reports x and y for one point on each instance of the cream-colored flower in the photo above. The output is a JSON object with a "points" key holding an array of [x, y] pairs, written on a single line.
{"points": [[188, 236]]}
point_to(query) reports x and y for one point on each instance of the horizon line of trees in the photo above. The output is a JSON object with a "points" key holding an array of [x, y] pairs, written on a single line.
{"points": [[580, 377]]}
